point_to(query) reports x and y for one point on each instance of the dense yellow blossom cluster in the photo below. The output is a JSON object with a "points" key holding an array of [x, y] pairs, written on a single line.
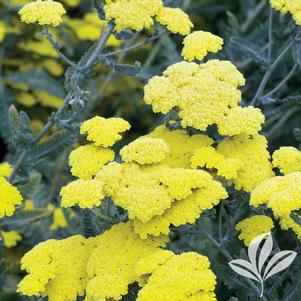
{"points": [[10, 238], [199, 43], [157, 195], [282, 194], [44, 12], [204, 94], [291, 6], [254, 226], [87, 160], [145, 151], [57, 268], [140, 14], [9, 198], [287, 159], [104, 132], [103, 267]]}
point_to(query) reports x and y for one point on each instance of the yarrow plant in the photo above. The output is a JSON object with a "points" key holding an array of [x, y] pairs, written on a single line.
{"points": [[107, 211]]}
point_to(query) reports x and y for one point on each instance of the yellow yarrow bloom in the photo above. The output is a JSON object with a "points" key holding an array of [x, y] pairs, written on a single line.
{"points": [[166, 282], [246, 121], [133, 14], [176, 20], [48, 100], [181, 145], [11, 238], [9, 198], [252, 151], [287, 159], [145, 151], [26, 99], [104, 132], [59, 219], [204, 94], [5, 169], [282, 195], [85, 194], [57, 268], [291, 6], [45, 12], [53, 67], [254, 226], [87, 160], [112, 264], [199, 43]]}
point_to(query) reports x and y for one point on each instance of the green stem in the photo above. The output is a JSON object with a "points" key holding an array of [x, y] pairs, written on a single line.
{"points": [[270, 35], [99, 48], [284, 81], [88, 226], [269, 72]]}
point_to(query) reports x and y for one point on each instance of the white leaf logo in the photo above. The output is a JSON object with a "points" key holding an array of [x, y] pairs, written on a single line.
{"points": [[253, 269]]}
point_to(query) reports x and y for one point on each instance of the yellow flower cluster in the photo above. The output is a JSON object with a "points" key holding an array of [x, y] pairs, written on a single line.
{"points": [[2, 31], [104, 132], [254, 226], [199, 43], [157, 195], [166, 280], [44, 12], [140, 14], [243, 160], [205, 94], [103, 267], [5, 169], [252, 151], [9, 198], [84, 193], [87, 160], [291, 6], [57, 268], [282, 194], [287, 159], [181, 145], [145, 151], [175, 19], [11, 238]]}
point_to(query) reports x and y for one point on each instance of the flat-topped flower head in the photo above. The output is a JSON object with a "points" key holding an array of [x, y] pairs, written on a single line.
{"points": [[104, 132], [2, 31], [145, 151], [176, 20], [9, 198], [287, 159], [85, 194], [199, 43], [166, 281], [45, 12], [87, 160], [140, 14], [254, 226]]}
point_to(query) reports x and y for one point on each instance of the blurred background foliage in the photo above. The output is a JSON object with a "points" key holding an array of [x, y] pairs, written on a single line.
{"points": [[32, 79]]}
